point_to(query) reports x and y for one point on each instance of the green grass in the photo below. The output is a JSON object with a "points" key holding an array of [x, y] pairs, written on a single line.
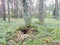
{"points": [[51, 29]]}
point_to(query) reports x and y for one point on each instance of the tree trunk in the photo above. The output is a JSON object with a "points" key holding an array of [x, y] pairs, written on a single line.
{"points": [[26, 13], [20, 9], [41, 11], [56, 9], [8, 11], [3, 9], [31, 7], [16, 8]]}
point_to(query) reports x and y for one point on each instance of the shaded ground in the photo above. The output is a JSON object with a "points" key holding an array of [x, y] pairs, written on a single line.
{"points": [[22, 34], [49, 32]]}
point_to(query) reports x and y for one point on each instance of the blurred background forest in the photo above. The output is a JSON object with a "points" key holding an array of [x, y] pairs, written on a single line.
{"points": [[15, 9], [30, 22]]}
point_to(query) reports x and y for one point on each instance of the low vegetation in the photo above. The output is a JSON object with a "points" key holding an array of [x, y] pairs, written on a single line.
{"points": [[13, 33]]}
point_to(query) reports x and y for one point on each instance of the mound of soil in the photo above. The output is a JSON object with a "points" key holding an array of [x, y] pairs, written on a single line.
{"points": [[28, 29], [21, 35]]}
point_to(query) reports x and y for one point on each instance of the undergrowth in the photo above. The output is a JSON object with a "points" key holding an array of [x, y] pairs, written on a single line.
{"points": [[46, 33]]}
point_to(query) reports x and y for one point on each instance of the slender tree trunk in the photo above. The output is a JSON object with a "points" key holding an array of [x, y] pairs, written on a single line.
{"points": [[3, 9], [12, 11], [0, 11], [26, 13], [41, 11], [44, 8], [21, 9], [8, 11], [31, 7], [10, 2], [16, 8], [56, 9]]}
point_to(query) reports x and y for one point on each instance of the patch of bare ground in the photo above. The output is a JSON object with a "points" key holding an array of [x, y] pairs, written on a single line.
{"points": [[21, 35]]}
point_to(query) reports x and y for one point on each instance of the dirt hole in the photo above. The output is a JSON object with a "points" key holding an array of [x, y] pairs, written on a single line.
{"points": [[21, 34], [28, 29]]}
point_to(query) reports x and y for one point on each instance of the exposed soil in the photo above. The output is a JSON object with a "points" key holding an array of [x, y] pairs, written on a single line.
{"points": [[28, 32], [28, 29]]}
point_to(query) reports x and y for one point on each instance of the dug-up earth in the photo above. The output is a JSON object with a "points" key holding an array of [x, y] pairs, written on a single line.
{"points": [[21, 35]]}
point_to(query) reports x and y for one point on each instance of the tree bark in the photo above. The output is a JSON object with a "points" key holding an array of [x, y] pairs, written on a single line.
{"points": [[56, 9], [16, 8], [8, 11], [41, 11], [3, 9], [26, 13]]}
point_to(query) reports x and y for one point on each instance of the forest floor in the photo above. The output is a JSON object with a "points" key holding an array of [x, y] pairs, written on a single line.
{"points": [[13, 33]]}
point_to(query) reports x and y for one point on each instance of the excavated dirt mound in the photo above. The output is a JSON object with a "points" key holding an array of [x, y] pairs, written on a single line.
{"points": [[28, 30], [21, 35]]}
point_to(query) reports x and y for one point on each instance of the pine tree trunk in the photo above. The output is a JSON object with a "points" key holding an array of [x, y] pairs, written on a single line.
{"points": [[30, 7], [56, 9], [8, 11], [16, 8], [41, 11], [26, 13], [3, 9]]}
